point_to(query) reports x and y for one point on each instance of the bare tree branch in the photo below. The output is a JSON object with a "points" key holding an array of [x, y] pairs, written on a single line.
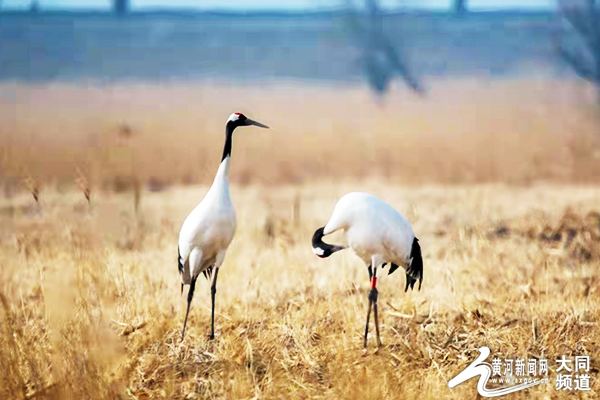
{"points": [[401, 67], [583, 16], [578, 64], [460, 7], [584, 21], [380, 60]]}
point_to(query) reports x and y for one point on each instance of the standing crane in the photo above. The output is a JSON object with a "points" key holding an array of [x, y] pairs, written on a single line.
{"points": [[379, 235], [208, 230]]}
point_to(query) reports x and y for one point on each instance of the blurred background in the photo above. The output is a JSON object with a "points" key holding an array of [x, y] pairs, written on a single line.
{"points": [[123, 93]]}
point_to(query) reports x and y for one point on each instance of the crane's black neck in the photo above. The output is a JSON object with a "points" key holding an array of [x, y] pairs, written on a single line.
{"points": [[229, 128]]}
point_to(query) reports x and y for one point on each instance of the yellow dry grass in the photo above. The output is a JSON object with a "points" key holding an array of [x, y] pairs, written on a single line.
{"points": [[91, 305], [463, 131], [489, 174]]}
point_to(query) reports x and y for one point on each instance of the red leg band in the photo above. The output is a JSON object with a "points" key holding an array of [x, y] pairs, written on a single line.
{"points": [[374, 282]]}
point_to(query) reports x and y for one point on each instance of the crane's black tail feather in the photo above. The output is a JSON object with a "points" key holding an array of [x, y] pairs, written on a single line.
{"points": [[179, 263], [322, 249], [208, 272], [415, 269]]}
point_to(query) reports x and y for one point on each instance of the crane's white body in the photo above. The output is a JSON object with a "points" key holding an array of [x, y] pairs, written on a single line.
{"points": [[209, 229], [379, 235], [375, 231]]}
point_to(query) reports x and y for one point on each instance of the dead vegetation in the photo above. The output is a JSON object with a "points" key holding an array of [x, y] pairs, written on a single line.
{"points": [[89, 292], [91, 305], [577, 236], [156, 136]]}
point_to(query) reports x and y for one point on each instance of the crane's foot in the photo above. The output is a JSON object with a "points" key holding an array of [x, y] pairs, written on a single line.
{"points": [[211, 337]]}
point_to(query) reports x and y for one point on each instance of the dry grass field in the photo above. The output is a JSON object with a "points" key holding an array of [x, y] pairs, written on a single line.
{"points": [[499, 187], [91, 302], [463, 131]]}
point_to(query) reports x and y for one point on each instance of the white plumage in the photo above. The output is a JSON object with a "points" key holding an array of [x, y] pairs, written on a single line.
{"points": [[209, 229], [379, 235], [373, 229]]}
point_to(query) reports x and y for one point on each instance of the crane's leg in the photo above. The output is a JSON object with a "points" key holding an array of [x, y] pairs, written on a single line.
{"points": [[375, 294], [213, 292], [367, 325], [369, 310], [190, 296]]}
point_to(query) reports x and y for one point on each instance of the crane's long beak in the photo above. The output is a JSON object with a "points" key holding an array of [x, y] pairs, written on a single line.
{"points": [[256, 123]]}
